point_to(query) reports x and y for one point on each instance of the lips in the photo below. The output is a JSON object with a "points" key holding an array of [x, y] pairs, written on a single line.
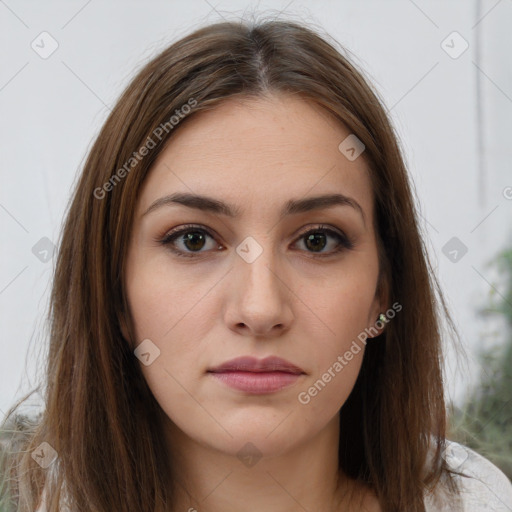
{"points": [[251, 364], [257, 376]]}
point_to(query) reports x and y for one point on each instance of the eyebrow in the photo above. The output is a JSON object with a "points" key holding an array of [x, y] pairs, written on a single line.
{"points": [[293, 206]]}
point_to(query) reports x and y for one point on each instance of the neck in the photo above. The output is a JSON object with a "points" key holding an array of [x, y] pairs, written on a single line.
{"points": [[305, 477]]}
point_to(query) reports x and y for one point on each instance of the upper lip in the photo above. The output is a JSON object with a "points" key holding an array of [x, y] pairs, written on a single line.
{"points": [[252, 364]]}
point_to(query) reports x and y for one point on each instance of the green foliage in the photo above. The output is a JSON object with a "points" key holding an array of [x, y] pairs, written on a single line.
{"points": [[14, 432], [484, 422]]}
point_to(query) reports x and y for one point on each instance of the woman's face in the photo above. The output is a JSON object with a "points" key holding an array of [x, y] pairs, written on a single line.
{"points": [[254, 283]]}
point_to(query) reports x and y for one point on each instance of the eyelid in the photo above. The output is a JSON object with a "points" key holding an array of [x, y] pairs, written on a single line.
{"points": [[168, 235]]}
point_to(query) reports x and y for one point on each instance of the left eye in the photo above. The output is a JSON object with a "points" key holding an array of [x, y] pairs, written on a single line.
{"points": [[315, 239], [194, 238]]}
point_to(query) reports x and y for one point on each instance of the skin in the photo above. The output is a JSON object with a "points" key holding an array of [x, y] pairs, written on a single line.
{"points": [[215, 306]]}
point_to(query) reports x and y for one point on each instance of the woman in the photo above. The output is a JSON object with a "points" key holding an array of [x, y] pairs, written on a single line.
{"points": [[243, 314]]}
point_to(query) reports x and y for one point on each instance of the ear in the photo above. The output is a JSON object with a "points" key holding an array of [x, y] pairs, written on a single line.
{"points": [[380, 305]]}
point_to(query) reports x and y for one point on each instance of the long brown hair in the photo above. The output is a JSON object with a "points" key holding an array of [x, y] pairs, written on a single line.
{"points": [[100, 416]]}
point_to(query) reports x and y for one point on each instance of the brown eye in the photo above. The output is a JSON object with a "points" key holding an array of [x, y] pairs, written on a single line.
{"points": [[317, 239], [188, 240], [194, 240]]}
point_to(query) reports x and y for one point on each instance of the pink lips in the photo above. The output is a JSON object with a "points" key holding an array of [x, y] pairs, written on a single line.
{"points": [[257, 376]]}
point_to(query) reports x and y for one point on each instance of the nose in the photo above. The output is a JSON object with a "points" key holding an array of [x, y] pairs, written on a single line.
{"points": [[260, 297]]}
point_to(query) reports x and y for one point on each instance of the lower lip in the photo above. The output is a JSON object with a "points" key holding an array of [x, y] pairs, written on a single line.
{"points": [[257, 382]]}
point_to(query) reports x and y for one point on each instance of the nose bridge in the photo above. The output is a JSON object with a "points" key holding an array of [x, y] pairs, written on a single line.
{"points": [[258, 263]]}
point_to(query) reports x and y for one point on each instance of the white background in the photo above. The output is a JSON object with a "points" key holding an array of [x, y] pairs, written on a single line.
{"points": [[453, 116]]}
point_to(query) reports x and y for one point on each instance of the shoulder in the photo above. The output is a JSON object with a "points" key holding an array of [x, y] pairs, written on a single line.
{"points": [[483, 487]]}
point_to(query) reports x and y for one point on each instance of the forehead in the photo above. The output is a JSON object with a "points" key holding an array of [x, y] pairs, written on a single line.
{"points": [[259, 152]]}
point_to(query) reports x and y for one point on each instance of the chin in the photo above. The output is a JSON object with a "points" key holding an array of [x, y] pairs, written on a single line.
{"points": [[265, 435], [249, 446]]}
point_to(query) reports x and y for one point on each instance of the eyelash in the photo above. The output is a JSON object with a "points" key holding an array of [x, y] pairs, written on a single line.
{"points": [[344, 243]]}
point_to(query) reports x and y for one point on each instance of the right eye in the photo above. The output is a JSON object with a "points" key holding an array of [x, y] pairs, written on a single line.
{"points": [[191, 237]]}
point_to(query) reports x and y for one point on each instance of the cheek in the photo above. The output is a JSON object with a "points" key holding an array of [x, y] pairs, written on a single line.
{"points": [[170, 318], [340, 344], [167, 309], [161, 297], [173, 389], [335, 362], [343, 311], [326, 392]]}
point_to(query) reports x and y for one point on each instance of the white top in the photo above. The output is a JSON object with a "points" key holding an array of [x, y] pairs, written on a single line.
{"points": [[486, 490]]}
